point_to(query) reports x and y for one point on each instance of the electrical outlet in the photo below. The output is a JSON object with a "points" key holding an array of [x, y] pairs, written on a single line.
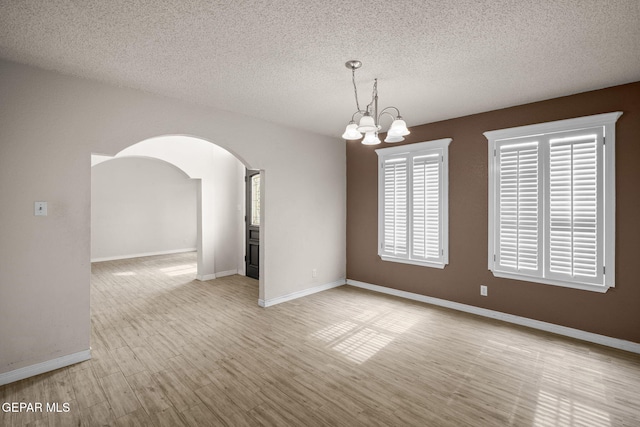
{"points": [[483, 290], [314, 273]]}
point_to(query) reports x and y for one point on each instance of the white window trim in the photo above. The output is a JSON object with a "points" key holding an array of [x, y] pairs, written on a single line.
{"points": [[607, 121], [443, 146]]}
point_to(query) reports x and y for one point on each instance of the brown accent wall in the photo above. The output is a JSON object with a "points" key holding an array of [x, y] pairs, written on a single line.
{"points": [[614, 314]]}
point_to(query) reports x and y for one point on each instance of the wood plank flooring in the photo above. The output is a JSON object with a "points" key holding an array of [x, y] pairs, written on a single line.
{"points": [[172, 351]]}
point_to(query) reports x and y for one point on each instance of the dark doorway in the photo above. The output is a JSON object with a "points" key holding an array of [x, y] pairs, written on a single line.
{"points": [[252, 220]]}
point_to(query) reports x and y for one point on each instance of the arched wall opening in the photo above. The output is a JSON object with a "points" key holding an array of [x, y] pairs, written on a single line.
{"points": [[217, 178], [54, 122]]}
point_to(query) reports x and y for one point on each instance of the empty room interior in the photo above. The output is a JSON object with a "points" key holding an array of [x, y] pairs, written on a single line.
{"points": [[320, 213]]}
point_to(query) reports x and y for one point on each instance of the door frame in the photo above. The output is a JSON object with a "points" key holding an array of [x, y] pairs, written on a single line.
{"points": [[252, 270]]}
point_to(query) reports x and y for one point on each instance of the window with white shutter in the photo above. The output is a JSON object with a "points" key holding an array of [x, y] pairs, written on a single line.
{"points": [[396, 173], [519, 209], [552, 202], [425, 218], [413, 203]]}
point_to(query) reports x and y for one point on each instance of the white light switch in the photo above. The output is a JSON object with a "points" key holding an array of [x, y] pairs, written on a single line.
{"points": [[40, 208]]}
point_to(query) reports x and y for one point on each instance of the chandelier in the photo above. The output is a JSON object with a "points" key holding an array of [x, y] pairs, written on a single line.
{"points": [[369, 124]]}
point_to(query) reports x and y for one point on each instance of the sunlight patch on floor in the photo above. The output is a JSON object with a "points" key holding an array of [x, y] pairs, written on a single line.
{"points": [[398, 324], [180, 270], [336, 331], [125, 273], [568, 402], [363, 344], [366, 334], [555, 410]]}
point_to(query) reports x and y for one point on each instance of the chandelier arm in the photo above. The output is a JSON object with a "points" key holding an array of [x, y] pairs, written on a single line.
{"points": [[383, 112], [386, 108], [353, 117]]}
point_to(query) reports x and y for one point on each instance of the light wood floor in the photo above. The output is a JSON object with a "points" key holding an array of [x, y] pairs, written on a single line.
{"points": [[172, 351]]}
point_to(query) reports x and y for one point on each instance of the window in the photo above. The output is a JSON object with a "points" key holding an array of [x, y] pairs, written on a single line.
{"points": [[255, 200], [413, 203], [552, 202]]}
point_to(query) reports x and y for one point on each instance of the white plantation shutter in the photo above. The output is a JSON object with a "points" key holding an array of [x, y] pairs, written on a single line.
{"points": [[519, 226], [552, 202], [426, 207], [395, 223], [413, 203], [575, 206]]}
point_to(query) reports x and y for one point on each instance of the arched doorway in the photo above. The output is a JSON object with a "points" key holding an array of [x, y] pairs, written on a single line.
{"points": [[219, 176]]}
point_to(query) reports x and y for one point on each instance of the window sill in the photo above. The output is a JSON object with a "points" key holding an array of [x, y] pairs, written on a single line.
{"points": [[413, 262], [582, 286]]}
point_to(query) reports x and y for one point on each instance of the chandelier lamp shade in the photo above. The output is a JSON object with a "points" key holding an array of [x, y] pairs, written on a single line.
{"points": [[368, 125]]}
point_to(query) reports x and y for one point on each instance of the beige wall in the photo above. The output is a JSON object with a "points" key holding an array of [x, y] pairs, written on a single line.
{"points": [[614, 314], [49, 126], [141, 206]]}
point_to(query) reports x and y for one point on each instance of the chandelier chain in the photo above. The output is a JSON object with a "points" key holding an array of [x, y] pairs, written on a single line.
{"points": [[374, 93], [355, 89]]}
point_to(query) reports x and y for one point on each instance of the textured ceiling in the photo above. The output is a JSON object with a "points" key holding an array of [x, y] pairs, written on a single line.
{"points": [[283, 60]]}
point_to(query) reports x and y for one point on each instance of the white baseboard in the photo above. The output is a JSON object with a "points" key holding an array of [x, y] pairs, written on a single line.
{"points": [[206, 277], [117, 257], [41, 368], [300, 294], [226, 273], [523, 321]]}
